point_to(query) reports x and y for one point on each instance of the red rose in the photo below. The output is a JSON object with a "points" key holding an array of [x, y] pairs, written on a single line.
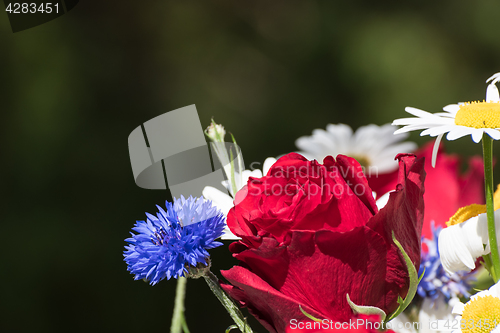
{"points": [[298, 194], [312, 233]]}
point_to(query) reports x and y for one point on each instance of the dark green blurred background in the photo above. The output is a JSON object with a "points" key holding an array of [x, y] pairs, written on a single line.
{"points": [[270, 71]]}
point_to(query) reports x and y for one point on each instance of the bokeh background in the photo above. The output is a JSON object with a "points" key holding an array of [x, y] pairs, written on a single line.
{"points": [[74, 88]]}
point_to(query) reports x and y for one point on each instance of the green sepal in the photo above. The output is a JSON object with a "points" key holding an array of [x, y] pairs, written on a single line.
{"points": [[366, 310], [230, 328], [308, 315], [414, 281], [488, 264]]}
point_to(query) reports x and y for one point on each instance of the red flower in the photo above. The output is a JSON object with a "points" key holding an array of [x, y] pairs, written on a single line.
{"points": [[312, 233], [446, 188]]}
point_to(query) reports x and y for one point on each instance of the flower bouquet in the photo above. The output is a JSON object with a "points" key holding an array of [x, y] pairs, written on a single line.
{"points": [[356, 231]]}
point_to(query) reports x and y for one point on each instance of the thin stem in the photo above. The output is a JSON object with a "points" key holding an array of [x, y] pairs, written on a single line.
{"points": [[488, 185], [227, 302], [233, 180], [184, 325], [178, 315]]}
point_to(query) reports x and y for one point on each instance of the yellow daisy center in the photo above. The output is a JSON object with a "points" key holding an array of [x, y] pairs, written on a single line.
{"points": [[479, 115], [468, 212], [465, 213], [364, 161], [481, 315]]}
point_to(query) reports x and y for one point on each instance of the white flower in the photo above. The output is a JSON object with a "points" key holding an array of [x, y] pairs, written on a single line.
{"points": [[458, 120], [402, 324], [430, 312], [433, 311], [224, 202], [383, 200], [372, 145], [481, 313], [465, 239]]}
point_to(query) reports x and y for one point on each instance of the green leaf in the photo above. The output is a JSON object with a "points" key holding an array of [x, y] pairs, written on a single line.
{"points": [[414, 280], [367, 310], [238, 155]]}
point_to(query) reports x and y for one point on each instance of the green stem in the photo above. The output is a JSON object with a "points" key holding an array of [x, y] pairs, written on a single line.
{"points": [[488, 185], [227, 302], [233, 180], [184, 325], [178, 320]]}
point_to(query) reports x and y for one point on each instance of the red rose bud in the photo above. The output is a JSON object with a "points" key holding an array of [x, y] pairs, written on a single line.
{"points": [[312, 233]]}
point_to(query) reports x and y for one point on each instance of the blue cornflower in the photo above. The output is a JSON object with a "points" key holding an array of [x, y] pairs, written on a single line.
{"points": [[167, 244], [435, 281]]}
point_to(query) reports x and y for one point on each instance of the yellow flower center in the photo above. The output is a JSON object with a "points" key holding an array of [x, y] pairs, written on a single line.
{"points": [[467, 212], [481, 315], [479, 115], [364, 161]]}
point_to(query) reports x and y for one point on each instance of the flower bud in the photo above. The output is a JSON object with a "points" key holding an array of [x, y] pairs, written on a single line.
{"points": [[215, 132]]}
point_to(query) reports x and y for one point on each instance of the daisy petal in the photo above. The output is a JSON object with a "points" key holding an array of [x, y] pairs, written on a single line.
{"points": [[477, 135], [492, 94], [435, 150], [461, 244], [433, 309], [371, 143], [458, 309], [446, 114], [268, 163], [413, 128], [458, 132], [246, 174], [409, 121], [454, 253], [437, 130], [494, 78], [496, 330], [451, 108], [494, 133], [417, 112]]}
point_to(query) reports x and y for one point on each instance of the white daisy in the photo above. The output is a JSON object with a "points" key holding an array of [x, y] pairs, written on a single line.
{"points": [[402, 324], [466, 238], [430, 312], [224, 202], [481, 313], [458, 120], [372, 145]]}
